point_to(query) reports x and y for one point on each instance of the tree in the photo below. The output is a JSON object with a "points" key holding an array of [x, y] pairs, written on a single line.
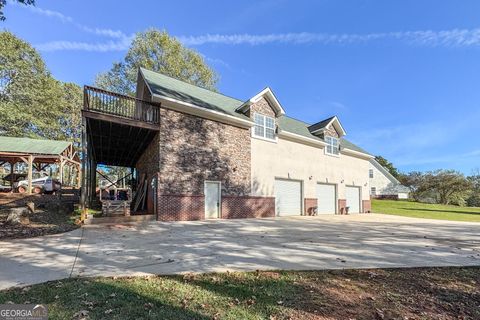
{"points": [[388, 165], [474, 199], [451, 187], [412, 180], [157, 51], [4, 2], [32, 103]]}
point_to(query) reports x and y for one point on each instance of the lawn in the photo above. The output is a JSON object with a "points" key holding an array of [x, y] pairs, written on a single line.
{"points": [[418, 293], [425, 210]]}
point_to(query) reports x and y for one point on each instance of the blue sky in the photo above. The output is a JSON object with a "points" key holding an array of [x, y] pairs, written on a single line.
{"points": [[403, 76]]}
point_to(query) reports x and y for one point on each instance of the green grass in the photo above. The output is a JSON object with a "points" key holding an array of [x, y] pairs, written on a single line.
{"points": [[424, 210], [417, 293]]}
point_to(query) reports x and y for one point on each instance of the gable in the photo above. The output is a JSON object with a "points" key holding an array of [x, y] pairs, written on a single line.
{"points": [[262, 106]]}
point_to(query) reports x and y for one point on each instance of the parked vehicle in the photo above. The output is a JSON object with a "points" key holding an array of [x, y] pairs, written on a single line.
{"points": [[41, 185]]}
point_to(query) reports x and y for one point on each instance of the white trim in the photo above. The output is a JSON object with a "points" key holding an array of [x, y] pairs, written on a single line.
{"points": [[330, 145], [252, 134], [269, 95], [360, 195], [219, 183], [336, 193], [384, 171], [264, 137], [334, 119], [293, 136], [302, 194], [192, 109], [355, 153], [144, 81]]}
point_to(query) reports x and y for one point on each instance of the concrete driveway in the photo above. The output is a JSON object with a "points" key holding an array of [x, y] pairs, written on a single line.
{"points": [[302, 243]]}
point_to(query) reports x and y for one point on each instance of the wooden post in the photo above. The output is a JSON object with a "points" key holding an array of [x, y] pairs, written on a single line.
{"points": [[12, 169], [62, 162], [81, 174], [30, 175]]}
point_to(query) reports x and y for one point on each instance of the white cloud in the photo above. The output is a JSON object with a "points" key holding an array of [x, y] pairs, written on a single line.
{"points": [[48, 13], [110, 33], [445, 38], [454, 38], [107, 46]]}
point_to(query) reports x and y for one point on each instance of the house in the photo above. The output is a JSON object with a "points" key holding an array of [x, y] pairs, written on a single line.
{"points": [[207, 155], [383, 184]]}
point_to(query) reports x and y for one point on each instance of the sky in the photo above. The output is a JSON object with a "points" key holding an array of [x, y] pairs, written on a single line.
{"points": [[402, 76]]}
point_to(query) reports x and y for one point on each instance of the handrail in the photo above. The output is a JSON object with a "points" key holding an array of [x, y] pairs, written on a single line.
{"points": [[107, 102]]}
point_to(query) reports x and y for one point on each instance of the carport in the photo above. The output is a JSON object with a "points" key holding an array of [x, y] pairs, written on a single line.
{"points": [[38, 154]]}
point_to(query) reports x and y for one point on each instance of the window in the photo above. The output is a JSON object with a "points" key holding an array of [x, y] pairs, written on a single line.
{"points": [[264, 127], [373, 191], [332, 145], [370, 173]]}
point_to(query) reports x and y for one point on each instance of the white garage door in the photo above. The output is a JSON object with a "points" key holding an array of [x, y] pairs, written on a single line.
{"points": [[288, 197], [353, 199], [326, 198]]}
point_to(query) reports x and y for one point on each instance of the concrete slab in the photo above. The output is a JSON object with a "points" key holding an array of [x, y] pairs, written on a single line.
{"points": [[301, 243], [39, 259]]}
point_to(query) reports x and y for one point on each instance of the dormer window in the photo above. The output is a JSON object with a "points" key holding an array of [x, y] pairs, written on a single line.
{"points": [[332, 147], [264, 127]]}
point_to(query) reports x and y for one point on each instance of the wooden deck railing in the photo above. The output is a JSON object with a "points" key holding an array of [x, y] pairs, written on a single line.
{"points": [[107, 102]]}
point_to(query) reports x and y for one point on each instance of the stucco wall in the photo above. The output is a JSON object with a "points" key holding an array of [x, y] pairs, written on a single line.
{"points": [[289, 159]]}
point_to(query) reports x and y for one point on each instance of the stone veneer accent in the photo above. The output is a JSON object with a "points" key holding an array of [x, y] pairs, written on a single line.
{"points": [[367, 206], [342, 204], [148, 163], [310, 205], [262, 107], [194, 149], [330, 132], [247, 207]]}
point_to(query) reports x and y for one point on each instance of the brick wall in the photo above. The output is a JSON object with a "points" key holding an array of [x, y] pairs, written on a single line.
{"points": [[181, 207], [367, 206], [247, 207], [310, 204]]}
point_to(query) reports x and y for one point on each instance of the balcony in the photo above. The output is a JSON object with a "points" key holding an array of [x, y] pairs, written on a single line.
{"points": [[118, 128], [103, 102]]}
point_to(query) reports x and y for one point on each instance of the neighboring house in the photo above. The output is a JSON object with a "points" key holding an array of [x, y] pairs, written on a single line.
{"points": [[213, 156], [383, 184]]}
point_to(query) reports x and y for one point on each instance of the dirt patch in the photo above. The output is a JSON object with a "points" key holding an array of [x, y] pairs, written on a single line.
{"points": [[42, 222], [417, 293]]}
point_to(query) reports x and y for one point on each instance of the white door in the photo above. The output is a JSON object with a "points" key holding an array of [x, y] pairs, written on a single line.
{"points": [[288, 197], [353, 199], [326, 199], [212, 200]]}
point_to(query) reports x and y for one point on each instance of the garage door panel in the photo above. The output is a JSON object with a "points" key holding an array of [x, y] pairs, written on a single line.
{"points": [[326, 198], [353, 199], [288, 197]]}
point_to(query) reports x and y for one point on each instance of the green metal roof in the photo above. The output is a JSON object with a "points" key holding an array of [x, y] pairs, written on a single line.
{"points": [[173, 88], [176, 89], [32, 146], [301, 128]]}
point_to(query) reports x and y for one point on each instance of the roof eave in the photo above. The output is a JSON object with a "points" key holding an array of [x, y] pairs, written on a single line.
{"points": [[269, 95], [192, 109]]}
